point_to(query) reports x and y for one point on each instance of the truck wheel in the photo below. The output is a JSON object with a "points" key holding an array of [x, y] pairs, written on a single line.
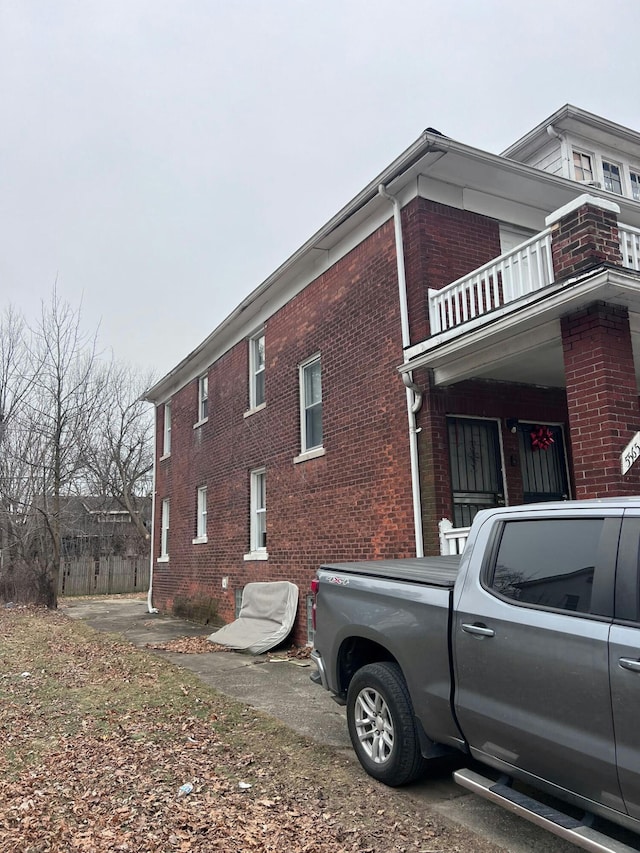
{"points": [[382, 726]]}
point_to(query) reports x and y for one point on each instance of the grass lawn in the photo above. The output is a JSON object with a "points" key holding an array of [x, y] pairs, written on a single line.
{"points": [[97, 738]]}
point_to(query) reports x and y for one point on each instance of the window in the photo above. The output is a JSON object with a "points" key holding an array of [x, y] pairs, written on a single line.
{"points": [[311, 404], [612, 180], [201, 515], [164, 530], [256, 371], [166, 441], [203, 398], [635, 185], [258, 532], [548, 562], [583, 170]]}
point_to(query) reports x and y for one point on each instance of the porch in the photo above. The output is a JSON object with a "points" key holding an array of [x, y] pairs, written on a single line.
{"points": [[558, 315]]}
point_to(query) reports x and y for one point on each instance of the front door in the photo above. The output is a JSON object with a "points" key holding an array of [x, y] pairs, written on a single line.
{"points": [[543, 463], [476, 467]]}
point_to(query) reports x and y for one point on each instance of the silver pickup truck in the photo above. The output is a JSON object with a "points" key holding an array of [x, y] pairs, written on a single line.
{"points": [[523, 653]]}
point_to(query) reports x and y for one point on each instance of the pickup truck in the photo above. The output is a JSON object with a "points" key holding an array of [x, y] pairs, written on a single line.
{"points": [[523, 653]]}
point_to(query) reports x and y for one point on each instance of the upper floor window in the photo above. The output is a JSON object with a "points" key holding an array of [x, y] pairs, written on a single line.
{"points": [[311, 404], [256, 371], [635, 185], [166, 435], [612, 180], [583, 166], [201, 514], [203, 398], [164, 530]]}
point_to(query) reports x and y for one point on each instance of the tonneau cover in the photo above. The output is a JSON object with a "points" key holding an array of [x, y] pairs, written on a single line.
{"points": [[437, 571]]}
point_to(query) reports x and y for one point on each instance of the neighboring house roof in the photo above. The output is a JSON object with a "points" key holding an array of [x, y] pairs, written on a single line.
{"points": [[434, 167], [89, 514]]}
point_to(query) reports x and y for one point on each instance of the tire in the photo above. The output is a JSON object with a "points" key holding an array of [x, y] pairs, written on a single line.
{"points": [[382, 725]]}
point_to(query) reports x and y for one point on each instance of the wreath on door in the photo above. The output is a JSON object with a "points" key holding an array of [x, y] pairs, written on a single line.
{"points": [[541, 437]]}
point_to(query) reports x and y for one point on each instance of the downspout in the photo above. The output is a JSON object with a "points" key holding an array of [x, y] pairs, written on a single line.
{"points": [[150, 607], [413, 393]]}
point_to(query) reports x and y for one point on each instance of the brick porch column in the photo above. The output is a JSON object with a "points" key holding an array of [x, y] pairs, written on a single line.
{"points": [[602, 399], [584, 235]]}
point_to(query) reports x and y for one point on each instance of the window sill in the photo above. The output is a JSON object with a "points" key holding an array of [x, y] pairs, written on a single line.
{"points": [[199, 423], [256, 555], [199, 540], [250, 412], [164, 456], [309, 454], [163, 559]]}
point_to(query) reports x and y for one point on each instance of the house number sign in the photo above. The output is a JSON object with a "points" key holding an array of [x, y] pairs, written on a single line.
{"points": [[630, 453]]}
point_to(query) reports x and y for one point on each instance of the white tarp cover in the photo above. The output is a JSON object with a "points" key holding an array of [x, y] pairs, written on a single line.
{"points": [[267, 615]]}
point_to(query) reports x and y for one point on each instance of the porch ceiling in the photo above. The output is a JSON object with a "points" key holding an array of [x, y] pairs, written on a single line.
{"points": [[522, 342]]}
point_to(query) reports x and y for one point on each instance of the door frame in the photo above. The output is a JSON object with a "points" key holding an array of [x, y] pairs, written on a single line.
{"points": [[502, 473]]}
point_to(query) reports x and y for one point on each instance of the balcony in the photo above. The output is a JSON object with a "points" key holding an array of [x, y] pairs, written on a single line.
{"points": [[502, 282], [502, 322]]}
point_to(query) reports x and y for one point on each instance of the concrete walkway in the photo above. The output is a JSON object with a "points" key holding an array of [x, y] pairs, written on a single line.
{"points": [[286, 692]]}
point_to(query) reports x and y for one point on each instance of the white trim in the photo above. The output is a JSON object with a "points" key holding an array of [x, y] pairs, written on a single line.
{"points": [[257, 510], [309, 454], [199, 540], [162, 458], [580, 201], [166, 430], [199, 423], [307, 363], [201, 515], [250, 412], [203, 398], [165, 526], [162, 559], [254, 372], [256, 555]]}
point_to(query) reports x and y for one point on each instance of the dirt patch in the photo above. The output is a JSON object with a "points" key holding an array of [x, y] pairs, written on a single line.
{"points": [[98, 738]]}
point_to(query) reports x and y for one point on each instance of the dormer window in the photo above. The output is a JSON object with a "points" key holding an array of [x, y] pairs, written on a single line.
{"points": [[612, 181], [583, 167]]}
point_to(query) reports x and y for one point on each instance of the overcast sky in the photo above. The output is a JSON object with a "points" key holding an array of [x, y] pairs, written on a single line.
{"points": [[162, 158]]}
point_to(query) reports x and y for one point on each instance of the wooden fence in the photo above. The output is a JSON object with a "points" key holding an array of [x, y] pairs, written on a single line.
{"points": [[106, 576]]}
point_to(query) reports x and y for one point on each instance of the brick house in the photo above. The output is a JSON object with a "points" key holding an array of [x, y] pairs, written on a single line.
{"points": [[462, 334]]}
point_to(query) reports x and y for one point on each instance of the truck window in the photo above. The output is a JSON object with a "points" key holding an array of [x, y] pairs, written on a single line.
{"points": [[548, 562]]}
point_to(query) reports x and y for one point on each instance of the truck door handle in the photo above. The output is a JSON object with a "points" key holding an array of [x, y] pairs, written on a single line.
{"points": [[630, 663], [478, 630]]}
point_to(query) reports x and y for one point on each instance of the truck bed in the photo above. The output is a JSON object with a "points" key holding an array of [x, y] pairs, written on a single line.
{"points": [[436, 571]]}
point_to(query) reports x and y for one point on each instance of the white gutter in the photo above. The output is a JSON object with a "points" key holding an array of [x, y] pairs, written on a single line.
{"points": [[150, 607], [413, 393]]}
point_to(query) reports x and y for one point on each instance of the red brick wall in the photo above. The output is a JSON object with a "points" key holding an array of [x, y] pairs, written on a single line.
{"points": [[352, 503], [441, 245], [602, 398], [586, 237]]}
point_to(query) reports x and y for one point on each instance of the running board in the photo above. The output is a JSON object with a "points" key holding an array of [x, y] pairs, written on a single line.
{"points": [[560, 824]]}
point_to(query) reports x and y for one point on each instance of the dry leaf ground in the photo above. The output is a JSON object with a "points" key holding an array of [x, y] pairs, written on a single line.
{"points": [[97, 737]]}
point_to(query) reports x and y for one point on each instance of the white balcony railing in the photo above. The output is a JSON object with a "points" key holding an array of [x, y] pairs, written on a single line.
{"points": [[630, 246], [452, 539], [529, 267]]}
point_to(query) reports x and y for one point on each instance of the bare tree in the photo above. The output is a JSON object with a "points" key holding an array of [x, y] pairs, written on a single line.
{"points": [[66, 400], [120, 460], [71, 424]]}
